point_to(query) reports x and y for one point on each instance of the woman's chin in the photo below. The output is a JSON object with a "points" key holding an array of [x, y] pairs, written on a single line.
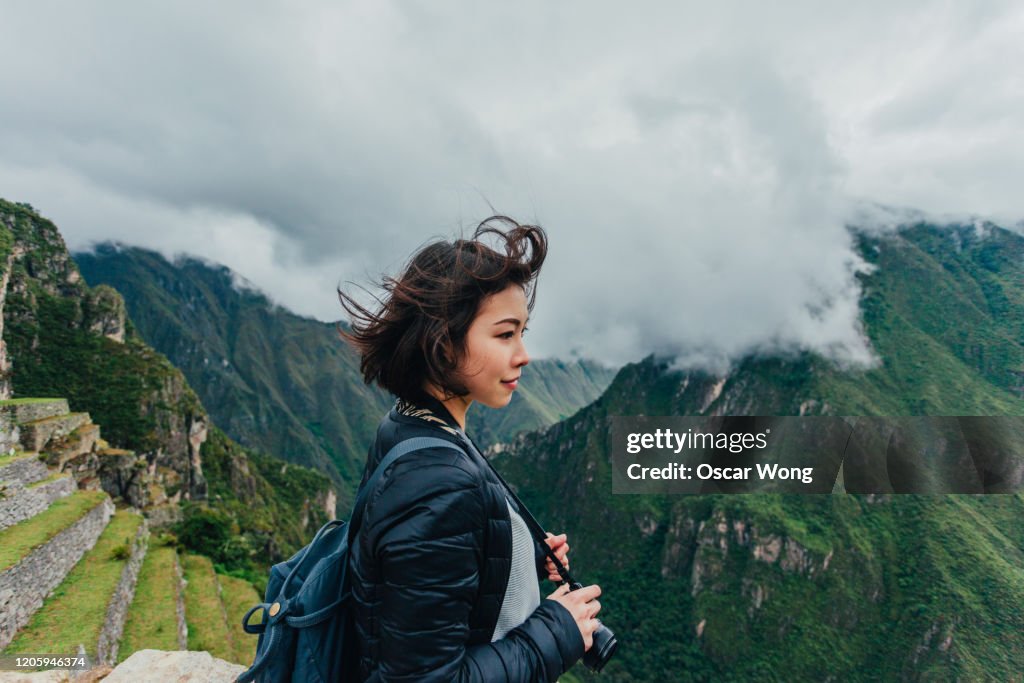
{"points": [[499, 402]]}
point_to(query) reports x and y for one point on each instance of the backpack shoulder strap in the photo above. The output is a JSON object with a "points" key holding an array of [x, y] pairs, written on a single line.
{"points": [[531, 522], [397, 451]]}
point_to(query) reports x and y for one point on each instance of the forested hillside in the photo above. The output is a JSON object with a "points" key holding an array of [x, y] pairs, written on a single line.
{"points": [[830, 588]]}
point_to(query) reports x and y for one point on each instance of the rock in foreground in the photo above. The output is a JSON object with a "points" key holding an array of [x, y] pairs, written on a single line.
{"points": [[143, 666]]}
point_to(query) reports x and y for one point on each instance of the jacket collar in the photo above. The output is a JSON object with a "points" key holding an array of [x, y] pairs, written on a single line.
{"points": [[429, 409]]}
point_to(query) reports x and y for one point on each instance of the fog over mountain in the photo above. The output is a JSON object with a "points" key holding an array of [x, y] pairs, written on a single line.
{"points": [[695, 165]]}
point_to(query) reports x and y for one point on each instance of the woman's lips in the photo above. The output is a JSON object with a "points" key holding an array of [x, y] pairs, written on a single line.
{"points": [[511, 385]]}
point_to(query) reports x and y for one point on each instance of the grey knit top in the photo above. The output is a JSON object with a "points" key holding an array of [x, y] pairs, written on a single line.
{"points": [[522, 596]]}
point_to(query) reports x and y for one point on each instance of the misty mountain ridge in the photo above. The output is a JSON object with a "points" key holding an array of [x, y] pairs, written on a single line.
{"points": [[972, 324]]}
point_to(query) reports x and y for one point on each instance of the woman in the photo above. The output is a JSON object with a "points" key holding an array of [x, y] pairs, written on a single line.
{"points": [[444, 570]]}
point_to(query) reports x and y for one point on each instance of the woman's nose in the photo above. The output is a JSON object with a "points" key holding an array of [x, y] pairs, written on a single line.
{"points": [[522, 358]]}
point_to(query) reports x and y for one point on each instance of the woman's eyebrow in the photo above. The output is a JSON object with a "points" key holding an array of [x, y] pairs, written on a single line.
{"points": [[514, 321]]}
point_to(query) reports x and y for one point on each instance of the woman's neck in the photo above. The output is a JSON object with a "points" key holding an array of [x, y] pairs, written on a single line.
{"points": [[458, 406]]}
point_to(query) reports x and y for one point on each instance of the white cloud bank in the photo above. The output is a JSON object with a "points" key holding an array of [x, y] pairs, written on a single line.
{"points": [[693, 164]]}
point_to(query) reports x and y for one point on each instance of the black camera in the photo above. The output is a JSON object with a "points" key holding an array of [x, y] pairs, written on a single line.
{"points": [[604, 645]]}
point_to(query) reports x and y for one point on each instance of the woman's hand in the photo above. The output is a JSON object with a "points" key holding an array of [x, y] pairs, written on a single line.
{"points": [[583, 606], [561, 548]]}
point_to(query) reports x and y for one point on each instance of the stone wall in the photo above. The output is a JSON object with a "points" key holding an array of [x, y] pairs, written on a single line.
{"points": [[10, 433], [25, 470], [117, 608], [182, 624], [37, 434], [37, 409], [20, 502], [24, 586]]}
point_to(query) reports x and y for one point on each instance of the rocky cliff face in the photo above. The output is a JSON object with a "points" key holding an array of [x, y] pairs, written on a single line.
{"points": [[64, 338], [6, 261]]}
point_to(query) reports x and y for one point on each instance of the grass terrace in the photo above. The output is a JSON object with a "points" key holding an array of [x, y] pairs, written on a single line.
{"points": [[25, 401], [239, 596], [204, 611], [49, 479], [113, 452], [21, 539], [56, 419], [8, 459], [76, 610], [153, 618]]}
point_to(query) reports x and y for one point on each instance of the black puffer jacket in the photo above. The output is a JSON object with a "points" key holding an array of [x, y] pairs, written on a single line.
{"points": [[430, 568]]}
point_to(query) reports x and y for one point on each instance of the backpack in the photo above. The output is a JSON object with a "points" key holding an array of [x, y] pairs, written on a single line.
{"points": [[307, 633]]}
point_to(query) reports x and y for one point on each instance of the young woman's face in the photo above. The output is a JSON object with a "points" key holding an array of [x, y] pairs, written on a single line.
{"points": [[495, 353]]}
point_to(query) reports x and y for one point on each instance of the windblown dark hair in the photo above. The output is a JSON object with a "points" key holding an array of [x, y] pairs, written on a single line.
{"points": [[419, 333]]}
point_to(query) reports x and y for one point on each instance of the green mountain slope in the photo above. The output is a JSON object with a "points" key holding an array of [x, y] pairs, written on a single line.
{"points": [[63, 338], [784, 588], [272, 380], [287, 384]]}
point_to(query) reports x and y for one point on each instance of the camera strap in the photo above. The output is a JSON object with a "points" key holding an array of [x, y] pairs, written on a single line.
{"points": [[531, 522]]}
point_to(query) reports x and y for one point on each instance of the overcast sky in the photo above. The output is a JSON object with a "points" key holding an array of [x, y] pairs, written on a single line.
{"points": [[693, 163]]}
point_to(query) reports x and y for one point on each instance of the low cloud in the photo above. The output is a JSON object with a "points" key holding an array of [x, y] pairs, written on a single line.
{"points": [[694, 167]]}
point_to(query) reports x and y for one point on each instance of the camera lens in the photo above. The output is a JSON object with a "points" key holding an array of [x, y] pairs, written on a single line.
{"points": [[604, 642], [602, 650]]}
